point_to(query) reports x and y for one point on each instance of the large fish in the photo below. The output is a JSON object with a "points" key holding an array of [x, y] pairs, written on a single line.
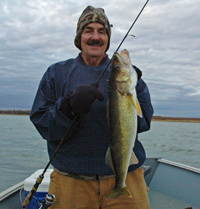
{"points": [[122, 110]]}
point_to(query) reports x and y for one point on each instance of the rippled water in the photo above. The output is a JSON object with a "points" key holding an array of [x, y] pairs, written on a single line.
{"points": [[179, 142], [22, 149]]}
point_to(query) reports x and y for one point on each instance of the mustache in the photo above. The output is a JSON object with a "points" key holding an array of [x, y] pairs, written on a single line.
{"points": [[93, 42]]}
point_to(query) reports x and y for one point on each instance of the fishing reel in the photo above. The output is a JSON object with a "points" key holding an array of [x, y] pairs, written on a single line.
{"points": [[47, 201]]}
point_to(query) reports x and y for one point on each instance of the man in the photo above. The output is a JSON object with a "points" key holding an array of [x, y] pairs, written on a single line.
{"points": [[81, 179]]}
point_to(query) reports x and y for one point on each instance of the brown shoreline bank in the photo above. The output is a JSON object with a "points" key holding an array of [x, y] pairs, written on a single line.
{"points": [[176, 119], [15, 112], [155, 118]]}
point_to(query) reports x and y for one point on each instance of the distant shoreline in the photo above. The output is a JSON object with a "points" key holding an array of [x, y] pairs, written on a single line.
{"points": [[15, 112], [175, 119], [155, 118]]}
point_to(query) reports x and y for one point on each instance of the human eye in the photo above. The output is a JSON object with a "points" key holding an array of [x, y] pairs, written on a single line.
{"points": [[88, 30], [102, 31]]}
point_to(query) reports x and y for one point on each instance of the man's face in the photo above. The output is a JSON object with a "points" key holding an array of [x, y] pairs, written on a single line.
{"points": [[94, 41]]}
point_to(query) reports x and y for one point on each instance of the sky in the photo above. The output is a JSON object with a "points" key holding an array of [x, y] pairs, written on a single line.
{"points": [[37, 33]]}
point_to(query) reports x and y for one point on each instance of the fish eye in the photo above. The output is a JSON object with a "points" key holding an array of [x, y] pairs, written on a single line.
{"points": [[117, 67]]}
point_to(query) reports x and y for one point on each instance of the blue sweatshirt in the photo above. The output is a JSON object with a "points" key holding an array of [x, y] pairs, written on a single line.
{"points": [[84, 150]]}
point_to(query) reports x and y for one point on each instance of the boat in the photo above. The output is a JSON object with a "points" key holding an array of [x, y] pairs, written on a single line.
{"points": [[171, 186]]}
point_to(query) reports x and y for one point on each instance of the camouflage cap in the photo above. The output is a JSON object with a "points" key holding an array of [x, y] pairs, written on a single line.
{"points": [[91, 15]]}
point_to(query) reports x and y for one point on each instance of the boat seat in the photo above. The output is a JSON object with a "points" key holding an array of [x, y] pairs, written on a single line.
{"points": [[160, 200]]}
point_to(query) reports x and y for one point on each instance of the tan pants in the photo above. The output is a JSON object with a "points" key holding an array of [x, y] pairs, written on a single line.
{"points": [[74, 193]]}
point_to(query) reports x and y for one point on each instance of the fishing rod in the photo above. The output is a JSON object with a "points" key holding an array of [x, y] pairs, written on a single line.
{"points": [[40, 178], [122, 41]]}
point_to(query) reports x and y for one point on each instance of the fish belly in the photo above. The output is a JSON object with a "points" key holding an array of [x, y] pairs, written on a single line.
{"points": [[123, 127]]}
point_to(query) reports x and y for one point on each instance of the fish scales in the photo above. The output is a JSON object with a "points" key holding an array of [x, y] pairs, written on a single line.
{"points": [[122, 111]]}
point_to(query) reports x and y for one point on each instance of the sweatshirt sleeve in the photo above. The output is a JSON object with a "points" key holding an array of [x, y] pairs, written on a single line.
{"points": [[46, 115], [144, 99]]}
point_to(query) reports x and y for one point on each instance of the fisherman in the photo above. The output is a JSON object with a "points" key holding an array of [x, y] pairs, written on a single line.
{"points": [[81, 178]]}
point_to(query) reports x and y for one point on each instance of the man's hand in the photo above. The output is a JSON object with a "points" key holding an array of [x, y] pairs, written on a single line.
{"points": [[80, 100], [83, 97]]}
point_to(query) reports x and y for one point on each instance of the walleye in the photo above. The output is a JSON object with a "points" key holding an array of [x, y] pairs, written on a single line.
{"points": [[122, 110]]}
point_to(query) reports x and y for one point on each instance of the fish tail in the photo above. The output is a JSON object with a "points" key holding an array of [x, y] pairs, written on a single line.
{"points": [[115, 193]]}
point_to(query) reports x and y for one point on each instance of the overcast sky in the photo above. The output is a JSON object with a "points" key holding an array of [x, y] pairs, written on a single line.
{"points": [[37, 33]]}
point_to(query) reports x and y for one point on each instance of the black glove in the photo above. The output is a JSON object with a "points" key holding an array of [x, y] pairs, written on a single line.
{"points": [[66, 107], [81, 100]]}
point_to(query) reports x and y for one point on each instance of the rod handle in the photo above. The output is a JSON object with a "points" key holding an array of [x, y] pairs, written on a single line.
{"points": [[33, 191]]}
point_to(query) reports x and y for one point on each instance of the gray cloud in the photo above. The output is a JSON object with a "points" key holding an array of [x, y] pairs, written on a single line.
{"points": [[36, 34]]}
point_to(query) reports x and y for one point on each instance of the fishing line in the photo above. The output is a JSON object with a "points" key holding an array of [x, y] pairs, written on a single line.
{"points": [[40, 178]]}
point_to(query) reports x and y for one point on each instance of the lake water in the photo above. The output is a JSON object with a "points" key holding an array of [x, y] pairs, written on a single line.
{"points": [[22, 149]]}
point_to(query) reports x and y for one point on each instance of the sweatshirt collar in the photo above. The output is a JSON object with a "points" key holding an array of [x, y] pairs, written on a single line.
{"points": [[80, 60]]}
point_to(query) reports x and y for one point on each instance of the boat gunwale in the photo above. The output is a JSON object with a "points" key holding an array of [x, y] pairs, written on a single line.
{"points": [[6, 193], [179, 165]]}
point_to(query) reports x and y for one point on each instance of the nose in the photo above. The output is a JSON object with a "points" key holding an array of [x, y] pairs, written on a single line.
{"points": [[95, 35]]}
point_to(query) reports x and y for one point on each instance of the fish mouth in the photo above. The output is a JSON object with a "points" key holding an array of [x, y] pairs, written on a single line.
{"points": [[120, 59], [121, 67]]}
